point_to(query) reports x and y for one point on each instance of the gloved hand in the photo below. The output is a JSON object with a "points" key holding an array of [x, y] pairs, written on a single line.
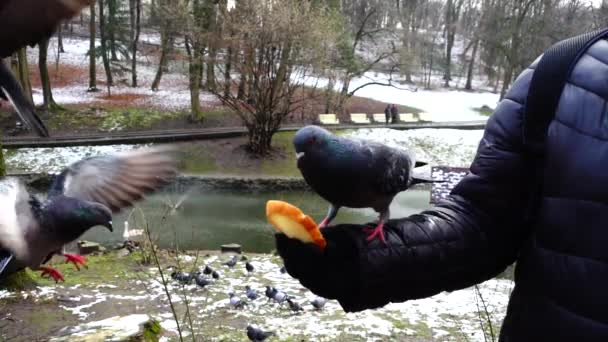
{"points": [[333, 273], [329, 273]]}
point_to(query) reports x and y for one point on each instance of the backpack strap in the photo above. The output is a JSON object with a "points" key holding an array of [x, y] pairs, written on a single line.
{"points": [[546, 86], [548, 81]]}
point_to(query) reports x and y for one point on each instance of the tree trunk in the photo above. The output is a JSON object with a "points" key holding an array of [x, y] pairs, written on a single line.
{"points": [[166, 43], [104, 50], [112, 28], [60, 39], [24, 74], [194, 73], [471, 66], [47, 94], [227, 69], [92, 52], [260, 138], [135, 9]]}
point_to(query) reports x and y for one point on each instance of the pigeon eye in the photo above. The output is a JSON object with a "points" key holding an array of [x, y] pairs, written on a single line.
{"points": [[312, 140]]}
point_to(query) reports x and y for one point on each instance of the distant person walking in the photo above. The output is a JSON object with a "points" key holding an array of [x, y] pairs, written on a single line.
{"points": [[387, 113], [394, 113]]}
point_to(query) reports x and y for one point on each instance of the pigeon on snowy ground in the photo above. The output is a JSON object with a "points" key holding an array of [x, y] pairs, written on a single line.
{"points": [[182, 277], [279, 296], [269, 292], [249, 267], [201, 280], [283, 270], [207, 270], [258, 335], [236, 302], [354, 173], [215, 275], [244, 258], [318, 303], [230, 263], [251, 293], [84, 195], [294, 306]]}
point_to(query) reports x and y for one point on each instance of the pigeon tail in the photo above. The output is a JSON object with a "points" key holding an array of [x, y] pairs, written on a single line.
{"points": [[13, 92], [4, 261]]}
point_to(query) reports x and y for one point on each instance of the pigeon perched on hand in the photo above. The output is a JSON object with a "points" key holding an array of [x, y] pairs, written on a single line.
{"points": [[84, 195], [258, 335], [354, 173]]}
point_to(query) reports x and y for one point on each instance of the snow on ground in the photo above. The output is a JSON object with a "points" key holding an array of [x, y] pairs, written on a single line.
{"points": [[55, 159], [173, 94], [453, 147], [444, 105]]}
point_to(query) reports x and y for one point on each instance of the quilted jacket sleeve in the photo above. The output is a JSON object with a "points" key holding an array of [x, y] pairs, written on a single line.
{"points": [[468, 238]]}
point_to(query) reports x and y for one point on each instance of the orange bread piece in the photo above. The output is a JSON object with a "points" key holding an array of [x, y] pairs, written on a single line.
{"points": [[291, 221]]}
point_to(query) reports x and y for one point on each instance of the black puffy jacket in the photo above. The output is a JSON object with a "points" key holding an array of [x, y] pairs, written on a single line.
{"points": [[561, 277]]}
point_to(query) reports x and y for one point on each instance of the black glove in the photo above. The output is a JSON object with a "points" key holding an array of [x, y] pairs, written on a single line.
{"points": [[333, 273]]}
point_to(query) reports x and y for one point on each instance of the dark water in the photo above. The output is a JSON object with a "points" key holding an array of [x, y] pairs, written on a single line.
{"points": [[207, 219]]}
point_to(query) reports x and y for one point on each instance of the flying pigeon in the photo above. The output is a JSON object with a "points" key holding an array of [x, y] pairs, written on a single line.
{"points": [[84, 195], [23, 23], [230, 263], [354, 173], [258, 335], [11, 91], [249, 267], [318, 303], [251, 293]]}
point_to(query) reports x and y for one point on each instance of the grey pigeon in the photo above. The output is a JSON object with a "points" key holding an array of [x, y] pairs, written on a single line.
{"points": [[318, 303], [236, 302], [84, 195], [201, 280], [294, 306], [258, 335], [249, 267], [269, 292], [215, 275], [354, 173], [182, 277], [230, 263], [251, 293]]}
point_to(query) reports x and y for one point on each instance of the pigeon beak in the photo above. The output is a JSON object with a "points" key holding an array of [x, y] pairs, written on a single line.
{"points": [[109, 226], [299, 155]]}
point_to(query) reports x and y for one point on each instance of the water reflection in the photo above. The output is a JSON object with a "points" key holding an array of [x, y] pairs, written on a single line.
{"points": [[206, 219]]}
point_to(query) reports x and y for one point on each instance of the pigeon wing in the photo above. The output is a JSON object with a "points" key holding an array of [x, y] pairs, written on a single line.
{"points": [[117, 180], [390, 168], [17, 217]]}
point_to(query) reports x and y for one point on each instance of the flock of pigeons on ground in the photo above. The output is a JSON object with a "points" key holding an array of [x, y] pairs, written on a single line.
{"points": [[203, 279]]}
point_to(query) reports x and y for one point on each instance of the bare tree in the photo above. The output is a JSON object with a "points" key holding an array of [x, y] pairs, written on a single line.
{"points": [[280, 47], [47, 94], [135, 16], [92, 50]]}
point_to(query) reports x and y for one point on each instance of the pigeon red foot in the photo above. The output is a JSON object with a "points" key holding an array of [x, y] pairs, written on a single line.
{"points": [[76, 260], [376, 232], [51, 272]]}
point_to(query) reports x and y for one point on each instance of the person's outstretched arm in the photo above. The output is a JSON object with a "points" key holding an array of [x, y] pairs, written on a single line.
{"points": [[468, 238]]}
